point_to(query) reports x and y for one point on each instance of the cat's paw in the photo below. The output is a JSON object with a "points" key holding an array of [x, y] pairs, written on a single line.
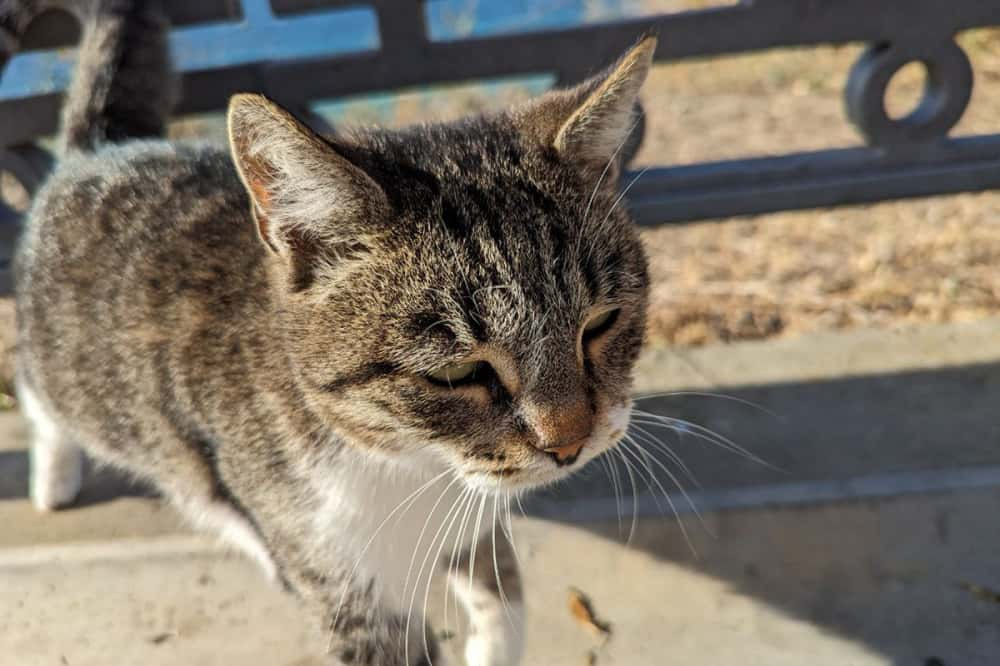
{"points": [[496, 634], [56, 476], [493, 648]]}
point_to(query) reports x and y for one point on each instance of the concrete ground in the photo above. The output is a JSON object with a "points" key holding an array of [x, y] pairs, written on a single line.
{"points": [[862, 584], [875, 544]]}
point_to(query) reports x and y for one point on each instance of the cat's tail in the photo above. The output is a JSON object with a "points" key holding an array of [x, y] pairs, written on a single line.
{"points": [[123, 87]]}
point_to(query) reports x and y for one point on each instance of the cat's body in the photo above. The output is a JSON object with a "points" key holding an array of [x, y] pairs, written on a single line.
{"points": [[341, 355], [202, 389]]}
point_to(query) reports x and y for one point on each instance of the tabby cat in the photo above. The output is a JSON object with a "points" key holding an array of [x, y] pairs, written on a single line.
{"points": [[344, 354]]}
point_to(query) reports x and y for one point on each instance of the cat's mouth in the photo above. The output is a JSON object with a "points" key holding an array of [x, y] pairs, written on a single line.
{"points": [[545, 468]]}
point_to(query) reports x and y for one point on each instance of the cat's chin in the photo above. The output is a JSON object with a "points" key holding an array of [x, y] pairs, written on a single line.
{"points": [[526, 480], [545, 472], [491, 484]]}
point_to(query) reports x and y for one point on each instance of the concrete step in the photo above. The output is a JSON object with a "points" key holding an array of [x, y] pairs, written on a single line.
{"points": [[894, 582]]}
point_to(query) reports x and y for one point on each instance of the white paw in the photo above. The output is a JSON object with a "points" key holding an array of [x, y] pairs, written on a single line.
{"points": [[491, 652], [497, 637], [56, 475]]}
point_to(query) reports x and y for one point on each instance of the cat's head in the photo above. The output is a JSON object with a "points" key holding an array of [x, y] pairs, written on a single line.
{"points": [[475, 289]]}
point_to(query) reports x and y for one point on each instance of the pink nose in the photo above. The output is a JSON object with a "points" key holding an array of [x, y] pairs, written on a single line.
{"points": [[567, 453]]}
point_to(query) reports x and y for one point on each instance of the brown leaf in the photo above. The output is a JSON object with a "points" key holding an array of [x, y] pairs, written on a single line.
{"points": [[582, 611]]}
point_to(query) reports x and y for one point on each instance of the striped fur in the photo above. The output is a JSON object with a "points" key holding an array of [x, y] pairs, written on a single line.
{"points": [[254, 333]]}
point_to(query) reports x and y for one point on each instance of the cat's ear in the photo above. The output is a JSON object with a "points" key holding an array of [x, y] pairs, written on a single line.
{"points": [[589, 124], [306, 195]]}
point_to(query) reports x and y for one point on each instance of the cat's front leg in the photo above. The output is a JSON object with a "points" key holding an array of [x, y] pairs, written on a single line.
{"points": [[492, 598], [359, 629]]}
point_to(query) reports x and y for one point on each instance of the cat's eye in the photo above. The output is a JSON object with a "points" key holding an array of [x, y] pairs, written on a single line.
{"points": [[600, 323], [457, 374]]}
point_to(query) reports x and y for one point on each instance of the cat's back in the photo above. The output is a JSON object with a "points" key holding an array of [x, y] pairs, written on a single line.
{"points": [[130, 252], [138, 218], [99, 202]]}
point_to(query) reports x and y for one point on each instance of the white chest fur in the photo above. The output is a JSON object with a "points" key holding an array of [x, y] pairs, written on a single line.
{"points": [[395, 522]]}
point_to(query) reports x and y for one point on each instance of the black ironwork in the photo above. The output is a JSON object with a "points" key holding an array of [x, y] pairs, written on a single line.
{"points": [[904, 157]]}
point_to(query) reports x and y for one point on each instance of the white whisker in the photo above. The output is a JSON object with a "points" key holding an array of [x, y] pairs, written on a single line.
{"points": [[673, 478], [423, 530], [611, 469], [496, 569], [706, 434], [520, 507], [475, 536], [635, 497], [623, 193], [666, 495], [708, 394], [430, 574], [508, 527], [607, 167], [454, 561], [648, 437], [420, 572]]}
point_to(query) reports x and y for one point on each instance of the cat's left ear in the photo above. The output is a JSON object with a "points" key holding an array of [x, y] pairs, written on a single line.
{"points": [[307, 196], [588, 124]]}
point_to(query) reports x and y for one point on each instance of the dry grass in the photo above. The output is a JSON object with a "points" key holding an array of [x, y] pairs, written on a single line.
{"points": [[928, 260], [904, 262]]}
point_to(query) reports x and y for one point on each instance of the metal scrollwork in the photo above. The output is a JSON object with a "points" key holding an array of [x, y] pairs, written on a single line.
{"points": [[946, 93]]}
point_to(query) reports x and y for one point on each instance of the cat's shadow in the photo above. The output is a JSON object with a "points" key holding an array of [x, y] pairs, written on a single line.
{"points": [[101, 484]]}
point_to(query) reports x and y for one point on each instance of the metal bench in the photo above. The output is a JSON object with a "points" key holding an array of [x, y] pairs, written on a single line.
{"points": [[220, 48]]}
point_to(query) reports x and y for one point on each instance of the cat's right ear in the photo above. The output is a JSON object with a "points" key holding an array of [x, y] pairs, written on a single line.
{"points": [[588, 125], [307, 197]]}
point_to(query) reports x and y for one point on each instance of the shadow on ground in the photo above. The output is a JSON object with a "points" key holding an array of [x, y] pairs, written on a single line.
{"points": [[913, 577], [101, 484]]}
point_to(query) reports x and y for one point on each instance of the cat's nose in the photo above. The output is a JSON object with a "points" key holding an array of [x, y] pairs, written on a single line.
{"points": [[563, 429], [567, 453]]}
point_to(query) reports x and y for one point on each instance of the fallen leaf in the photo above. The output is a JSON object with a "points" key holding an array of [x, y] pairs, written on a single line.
{"points": [[583, 612]]}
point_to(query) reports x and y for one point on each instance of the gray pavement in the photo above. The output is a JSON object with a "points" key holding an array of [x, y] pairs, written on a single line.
{"points": [[876, 543], [896, 582]]}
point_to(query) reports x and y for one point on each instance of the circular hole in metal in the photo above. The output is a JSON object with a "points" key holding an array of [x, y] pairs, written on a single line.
{"points": [[13, 193], [906, 90]]}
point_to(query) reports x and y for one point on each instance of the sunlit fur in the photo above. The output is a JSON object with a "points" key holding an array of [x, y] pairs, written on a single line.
{"points": [[492, 254]]}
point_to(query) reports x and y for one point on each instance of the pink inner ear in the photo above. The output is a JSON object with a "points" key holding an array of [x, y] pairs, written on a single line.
{"points": [[262, 200], [260, 194]]}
